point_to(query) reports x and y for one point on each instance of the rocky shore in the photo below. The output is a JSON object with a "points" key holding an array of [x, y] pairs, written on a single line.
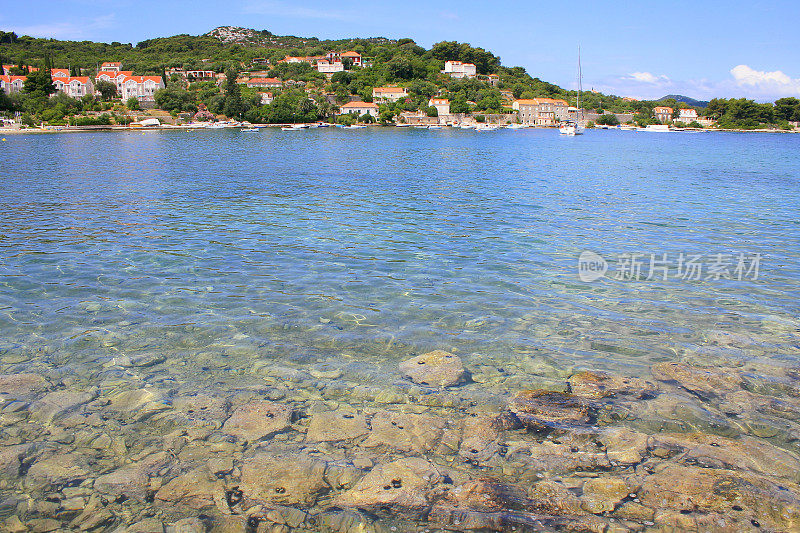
{"points": [[448, 447]]}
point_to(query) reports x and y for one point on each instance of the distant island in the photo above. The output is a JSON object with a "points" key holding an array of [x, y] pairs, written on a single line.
{"points": [[259, 77]]}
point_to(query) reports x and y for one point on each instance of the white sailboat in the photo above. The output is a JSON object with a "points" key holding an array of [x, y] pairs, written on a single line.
{"points": [[571, 128]]}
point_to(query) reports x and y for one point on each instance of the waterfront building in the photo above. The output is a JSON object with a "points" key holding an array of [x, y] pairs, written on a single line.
{"points": [[361, 108], [663, 113], [442, 105], [541, 111], [389, 94], [73, 86], [687, 115]]}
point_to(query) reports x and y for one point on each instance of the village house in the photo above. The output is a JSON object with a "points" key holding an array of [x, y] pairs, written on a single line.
{"points": [[260, 61], [360, 108], [355, 57], [389, 94], [457, 69], [73, 86], [114, 76], [111, 66], [442, 105], [59, 73], [264, 82], [541, 111], [141, 87], [192, 75], [294, 59], [12, 84], [327, 66], [687, 115], [494, 80], [663, 113], [266, 98]]}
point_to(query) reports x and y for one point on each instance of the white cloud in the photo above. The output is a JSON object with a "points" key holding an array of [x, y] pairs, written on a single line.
{"points": [[646, 77], [66, 29], [283, 9], [765, 82]]}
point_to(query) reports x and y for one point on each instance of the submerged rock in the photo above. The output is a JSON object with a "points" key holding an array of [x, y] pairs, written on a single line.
{"points": [[405, 431], [408, 485], [601, 495], [336, 426], [708, 381], [258, 419], [436, 369], [732, 494], [21, 385], [601, 385], [58, 403], [132, 480], [542, 409], [287, 480], [194, 489], [712, 451]]}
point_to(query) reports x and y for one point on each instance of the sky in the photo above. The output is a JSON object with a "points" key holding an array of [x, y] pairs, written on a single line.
{"points": [[640, 48]]}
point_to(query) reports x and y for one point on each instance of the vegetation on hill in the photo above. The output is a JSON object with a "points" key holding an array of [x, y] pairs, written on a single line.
{"points": [[310, 94]]}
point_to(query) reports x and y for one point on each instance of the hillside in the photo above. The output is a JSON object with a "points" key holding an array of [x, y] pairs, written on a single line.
{"points": [[685, 99]]}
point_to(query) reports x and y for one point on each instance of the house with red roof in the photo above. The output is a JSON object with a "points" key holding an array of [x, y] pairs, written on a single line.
{"points": [[355, 57], [74, 86], [359, 108], [264, 82], [12, 84], [389, 94]]}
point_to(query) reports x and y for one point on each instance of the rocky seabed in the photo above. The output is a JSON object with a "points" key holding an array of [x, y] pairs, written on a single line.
{"points": [[686, 448]]}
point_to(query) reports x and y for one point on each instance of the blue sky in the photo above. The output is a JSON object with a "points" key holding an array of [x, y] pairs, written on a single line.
{"points": [[645, 49]]}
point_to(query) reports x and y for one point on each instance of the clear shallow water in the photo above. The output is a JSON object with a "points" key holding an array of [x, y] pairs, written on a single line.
{"points": [[384, 242], [226, 263]]}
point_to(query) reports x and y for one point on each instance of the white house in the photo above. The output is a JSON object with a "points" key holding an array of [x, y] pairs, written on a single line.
{"points": [[457, 69], [111, 66], [141, 87], [389, 94], [114, 76], [686, 116], [74, 86], [329, 67], [12, 84], [266, 98], [442, 105], [361, 108]]}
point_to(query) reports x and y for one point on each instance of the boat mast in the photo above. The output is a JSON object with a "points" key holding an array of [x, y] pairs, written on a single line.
{"points": [[580, 88]]}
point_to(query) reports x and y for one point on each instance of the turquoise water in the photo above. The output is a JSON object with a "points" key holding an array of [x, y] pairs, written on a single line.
{"points": [[302, 267], [384, 241]]}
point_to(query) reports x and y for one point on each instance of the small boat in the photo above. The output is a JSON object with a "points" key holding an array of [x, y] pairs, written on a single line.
{"points": [[656, 128], [486, 127], [467, 126], [356, 127], [421, 127], [515, 126], [627, 127], [250, 129], [294, 127], [434, 127]]}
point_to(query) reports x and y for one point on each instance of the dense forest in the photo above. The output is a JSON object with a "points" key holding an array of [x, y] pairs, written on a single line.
{"points": [[400, 61]]}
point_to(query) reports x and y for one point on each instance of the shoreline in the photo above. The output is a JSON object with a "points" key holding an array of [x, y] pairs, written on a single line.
{"points": [[90, 129]]}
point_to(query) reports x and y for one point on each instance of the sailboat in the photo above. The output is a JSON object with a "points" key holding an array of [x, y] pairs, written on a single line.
{"points": [[569, 127]]}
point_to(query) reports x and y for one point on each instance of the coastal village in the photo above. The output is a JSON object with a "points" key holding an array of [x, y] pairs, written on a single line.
{"points": [[320, 88]]}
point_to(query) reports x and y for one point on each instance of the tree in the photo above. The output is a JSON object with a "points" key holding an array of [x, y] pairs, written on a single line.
{"points": [[39, 84], [107, 89], [233, 108], [133, 104], [431, 111], [609, 119], [787, 109]]}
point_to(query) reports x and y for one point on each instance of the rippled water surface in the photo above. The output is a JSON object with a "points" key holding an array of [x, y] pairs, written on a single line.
{"points": [[139, 272]]}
